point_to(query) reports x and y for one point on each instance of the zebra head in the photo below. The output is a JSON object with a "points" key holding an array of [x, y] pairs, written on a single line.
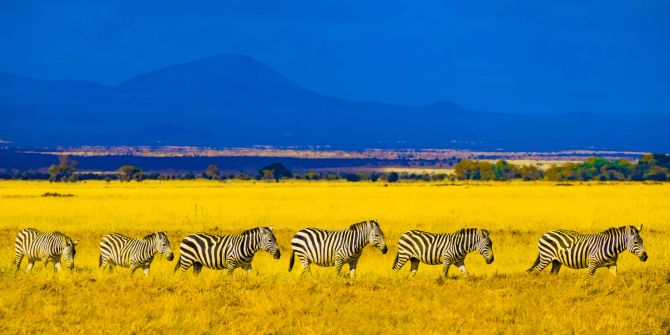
{"points": [[634, 242], [69, 251], [162, 244], [269, 242], [484, 245], [376, 237]]}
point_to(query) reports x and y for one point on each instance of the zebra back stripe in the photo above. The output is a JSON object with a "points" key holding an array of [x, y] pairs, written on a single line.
{"points": [[118, 249], [579, 250], [334, 248], [447, 248], [44, 246], [228, 252]]}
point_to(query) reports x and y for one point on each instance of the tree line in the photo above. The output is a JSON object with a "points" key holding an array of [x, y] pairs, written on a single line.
{"points": [[649, 167]]}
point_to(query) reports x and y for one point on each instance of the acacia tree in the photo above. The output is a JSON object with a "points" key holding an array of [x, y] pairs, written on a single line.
{"points": [[274, 171], [212, 171], [64, 171], [130, 172]]}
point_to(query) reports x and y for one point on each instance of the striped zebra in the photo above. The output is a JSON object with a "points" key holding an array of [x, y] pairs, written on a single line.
{"points": [[46, 247], [117, 249], [577, 251], [446, 249], [225, 252], [335, 248]]}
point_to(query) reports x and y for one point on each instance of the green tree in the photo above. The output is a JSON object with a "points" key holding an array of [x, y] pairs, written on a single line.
{"points": [[465, 169], [530, 172], [505, 171], [486, 171]]}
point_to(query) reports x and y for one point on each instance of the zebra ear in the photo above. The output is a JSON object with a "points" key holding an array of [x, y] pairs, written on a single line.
{"points": [[639, 229], [75, 242], [485, 233], [271, 227]]}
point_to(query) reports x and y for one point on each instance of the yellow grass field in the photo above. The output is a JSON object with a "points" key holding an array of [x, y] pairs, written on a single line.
{"points": [[496, 298]]}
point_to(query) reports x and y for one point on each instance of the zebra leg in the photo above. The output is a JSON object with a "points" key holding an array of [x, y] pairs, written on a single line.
{"points": [[414, 266], [594, 264], [461, 266], [31, 263], [17, 260], [338, 265], [400, 261], [133, 267], [352, 268], [57, 266], [196, 268], [247, 267], [306, 270], [540, 264], [102, 262], [184, 263], [555, 266], [231, 268], [447, 264]]}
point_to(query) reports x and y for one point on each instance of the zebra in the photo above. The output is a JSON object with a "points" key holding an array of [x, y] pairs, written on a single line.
{"points": [[225, 252], [577, 250], [447, 249], [117, 249], [335, 248], [37, 245]]}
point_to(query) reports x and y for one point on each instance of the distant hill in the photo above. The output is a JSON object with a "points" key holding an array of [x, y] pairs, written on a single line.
{"points": [[235, 100]]}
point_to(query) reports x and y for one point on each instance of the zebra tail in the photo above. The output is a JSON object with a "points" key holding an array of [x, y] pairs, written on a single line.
{"points": [[396, 260], [176, 266], [290, 264], [100, 261], [537, 262]]}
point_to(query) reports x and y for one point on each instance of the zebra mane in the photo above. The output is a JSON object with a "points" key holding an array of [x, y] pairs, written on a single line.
{"points": [[153, 234], [466, 231], [362, 224], [251, 231], [613, 230], [61, 235]]}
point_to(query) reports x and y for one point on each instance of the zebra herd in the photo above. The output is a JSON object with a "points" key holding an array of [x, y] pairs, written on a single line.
{"points": [[331, 248]]}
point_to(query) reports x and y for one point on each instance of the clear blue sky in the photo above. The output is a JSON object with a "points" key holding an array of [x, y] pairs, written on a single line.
{"points": [[504, 56]]}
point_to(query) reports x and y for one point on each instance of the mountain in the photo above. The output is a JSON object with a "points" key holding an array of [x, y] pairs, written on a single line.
{"points": [[235, 100]]}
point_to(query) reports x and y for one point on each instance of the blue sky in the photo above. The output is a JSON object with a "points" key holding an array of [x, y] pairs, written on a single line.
{"points": [[531, 57]]}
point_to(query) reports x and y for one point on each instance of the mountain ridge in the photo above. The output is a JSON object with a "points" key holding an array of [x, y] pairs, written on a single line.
{"points": [[236, 100]]}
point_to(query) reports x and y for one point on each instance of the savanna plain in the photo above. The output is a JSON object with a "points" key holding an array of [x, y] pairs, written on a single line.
{"points": [[496, 298]]}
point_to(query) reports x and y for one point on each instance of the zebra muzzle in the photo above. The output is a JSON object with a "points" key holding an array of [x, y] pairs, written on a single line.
{"points": [[644, 257], [277, 254], [170, 256], [490, 260]]}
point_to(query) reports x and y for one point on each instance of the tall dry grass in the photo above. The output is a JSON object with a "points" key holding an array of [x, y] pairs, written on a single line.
{"points": [[497, 298]]}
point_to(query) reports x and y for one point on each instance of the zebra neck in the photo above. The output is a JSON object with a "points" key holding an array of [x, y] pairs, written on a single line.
{"points": [[617, 243], [150, 245], [250, 245], [469, 244], [360, 239]]}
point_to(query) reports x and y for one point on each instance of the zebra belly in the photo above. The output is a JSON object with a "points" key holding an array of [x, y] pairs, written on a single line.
{"points": [[427, 258], [567, 258]]}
